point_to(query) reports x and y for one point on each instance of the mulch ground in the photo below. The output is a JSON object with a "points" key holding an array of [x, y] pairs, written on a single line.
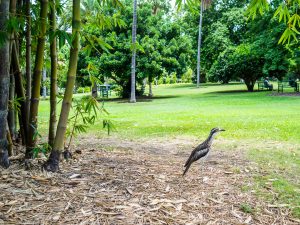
{"points": [[123, 182]]}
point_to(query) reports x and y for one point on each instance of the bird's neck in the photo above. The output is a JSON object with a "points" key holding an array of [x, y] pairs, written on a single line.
{"points": [[210, 138]]}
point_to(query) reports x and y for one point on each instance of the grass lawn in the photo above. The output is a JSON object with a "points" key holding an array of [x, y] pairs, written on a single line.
{"points": [[269, 126]]}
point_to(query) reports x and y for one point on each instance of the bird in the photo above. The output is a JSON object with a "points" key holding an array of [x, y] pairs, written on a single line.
{"points": [[202, 149]]}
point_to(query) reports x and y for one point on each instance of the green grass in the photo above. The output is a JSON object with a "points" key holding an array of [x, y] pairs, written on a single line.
{"points": [[267, 125], [246, 208], [287, 193], [180, 110]]}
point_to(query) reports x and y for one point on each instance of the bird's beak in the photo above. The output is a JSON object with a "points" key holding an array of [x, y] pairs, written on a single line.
{"points": [[222, 130]]}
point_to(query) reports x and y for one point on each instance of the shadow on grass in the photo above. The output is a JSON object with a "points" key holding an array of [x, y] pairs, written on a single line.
{"points": [[230, 92], [202, 85], [138, 99]]}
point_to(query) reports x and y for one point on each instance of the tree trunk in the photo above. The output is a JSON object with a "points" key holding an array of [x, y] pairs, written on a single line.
{"points": [[44, 88], [37, 75], [250, 85], [53, 75], [53, 162], [199, 44], [28, 55], [133, 60], [10, 142], [4, 85], [150, 80], [20, 92], [94, 90], [11, 110]]}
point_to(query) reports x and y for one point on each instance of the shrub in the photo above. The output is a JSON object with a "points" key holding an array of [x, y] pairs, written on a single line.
{"points": [[173, 78], [187, 77], [80, 90]]}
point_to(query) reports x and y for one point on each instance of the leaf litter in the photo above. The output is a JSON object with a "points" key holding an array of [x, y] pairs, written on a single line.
{"points": [[125, 182]]}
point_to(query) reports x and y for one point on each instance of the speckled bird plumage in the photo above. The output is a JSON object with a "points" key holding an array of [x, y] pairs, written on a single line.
{"points": [[202, 149]]}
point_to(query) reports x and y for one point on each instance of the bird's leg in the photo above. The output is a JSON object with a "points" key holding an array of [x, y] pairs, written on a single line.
{"points": [[204, 163]]}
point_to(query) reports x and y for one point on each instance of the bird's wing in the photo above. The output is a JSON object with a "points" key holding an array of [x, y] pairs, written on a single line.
{"points": [[198, 148], [199, 153]]}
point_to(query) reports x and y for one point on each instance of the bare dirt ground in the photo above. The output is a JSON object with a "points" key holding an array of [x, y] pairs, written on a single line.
{"points": [[125, 182]]}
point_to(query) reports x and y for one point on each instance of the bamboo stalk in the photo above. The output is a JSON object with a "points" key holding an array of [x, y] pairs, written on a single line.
{"points": [[37, 76], [53, 75], [28, 56], [20, 92], [53, 162]]}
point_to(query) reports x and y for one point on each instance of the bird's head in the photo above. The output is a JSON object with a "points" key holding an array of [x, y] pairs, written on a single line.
{"points": [[216, 130]]}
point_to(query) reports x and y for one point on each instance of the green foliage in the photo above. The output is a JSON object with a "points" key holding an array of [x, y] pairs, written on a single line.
{"points": [[173, 78], [287, 12], [84, 90], [187, 77], [161, 45], [109, 125], [86, 111], [15, 104], [257, 6], [44, 149], [234, 47]]}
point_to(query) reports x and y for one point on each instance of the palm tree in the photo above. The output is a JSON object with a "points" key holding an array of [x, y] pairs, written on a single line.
{"points": [[199, 45], [203, 6], [4, 83], [133, 60]]}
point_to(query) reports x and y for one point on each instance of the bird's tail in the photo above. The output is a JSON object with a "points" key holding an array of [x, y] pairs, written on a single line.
{"points": [[187, 166]]}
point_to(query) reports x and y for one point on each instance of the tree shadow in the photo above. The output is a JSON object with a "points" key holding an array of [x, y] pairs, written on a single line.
{"points": [[230, 92], [138, 99], [202, 85]]}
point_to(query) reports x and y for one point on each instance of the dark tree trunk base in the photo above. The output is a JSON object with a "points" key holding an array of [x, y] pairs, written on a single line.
{"points": [[67, 154], [29, 153], [52, 164], [4, 161]]}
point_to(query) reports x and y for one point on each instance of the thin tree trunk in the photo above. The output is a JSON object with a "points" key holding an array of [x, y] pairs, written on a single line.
{"points": [[28, 56], [37, 75], [20, 92], [19, 13], [150, 87], [53, 75], [44, 78], [199, 44], [9, 141], [133, 60], [11, 110], [4, 85], [53, 162], [94, 90]]}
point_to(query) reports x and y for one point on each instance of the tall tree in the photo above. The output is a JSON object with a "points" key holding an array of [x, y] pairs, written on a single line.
{"points": [[27, 4], [37, 76], [203, 5], [199, 44], [11, 112], [4, 82], [133, 60], [53, 75], [53, 162]]}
